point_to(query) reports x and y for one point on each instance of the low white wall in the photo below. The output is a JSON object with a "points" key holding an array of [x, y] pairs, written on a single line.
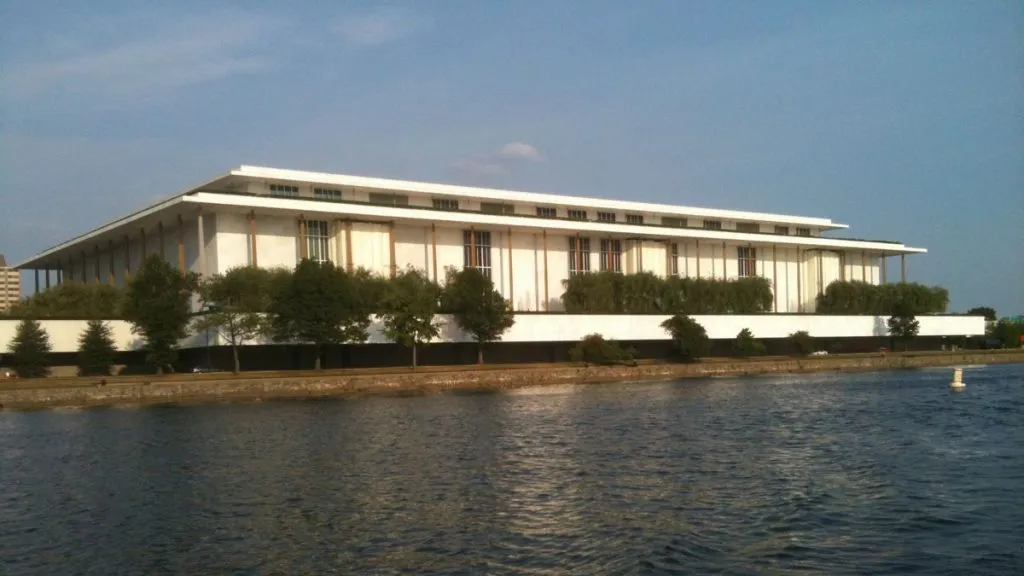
{"points": [[557, 327]]}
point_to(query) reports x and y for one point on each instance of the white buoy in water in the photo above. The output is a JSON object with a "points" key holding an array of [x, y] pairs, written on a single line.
{"points": [[958, 379]]}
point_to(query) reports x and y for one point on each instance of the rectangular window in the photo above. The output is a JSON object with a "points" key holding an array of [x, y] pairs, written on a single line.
{"points": [[673, 222], [712, 224], [579, 255], [746, 258], [576, 214], [476, 250], [284, 190], [327, 193], [748, 227], [673, 259], [318, 241], [547, 212], [782, 230], [389, 199], [611, 255], [446, 204], [606, 216], [803, 231], [634, 218], [497, 208]]}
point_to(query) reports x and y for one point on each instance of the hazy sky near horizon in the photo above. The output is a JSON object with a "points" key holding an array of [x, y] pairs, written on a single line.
{"points": [[904, 119]]}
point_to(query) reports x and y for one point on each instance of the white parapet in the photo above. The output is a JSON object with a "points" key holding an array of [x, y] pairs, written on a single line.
{"points": [[64, 334]]}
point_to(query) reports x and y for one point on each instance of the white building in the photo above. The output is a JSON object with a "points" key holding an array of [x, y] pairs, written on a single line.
{"points": [[529, 243]]}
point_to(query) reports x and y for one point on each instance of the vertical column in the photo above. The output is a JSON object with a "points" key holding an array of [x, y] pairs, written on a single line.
{"points": [[46, 275], [252, 239], [127, 258], [544, 236], [821, 273], [775, 279], [472, 247], [640, 255], [111, 279], [799, 274], [883, 264], [37, 280], [348, 247], [181, 244], [511, 286], [725, 267], [391, 248], [579, 254], [303, 247], [842, 266], [433, 248], [903, 268], [144, 252], [864, 265], [96, 264], [697, 243], [201, 238], [160, 231], [85, 268]]}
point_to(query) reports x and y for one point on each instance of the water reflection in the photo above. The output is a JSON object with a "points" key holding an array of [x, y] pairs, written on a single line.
{"points": [[826, 473]]}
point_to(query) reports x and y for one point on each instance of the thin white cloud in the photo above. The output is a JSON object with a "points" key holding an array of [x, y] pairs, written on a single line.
{"points": [[521, 151], [376, 28], [177, 54], [498, 164]]}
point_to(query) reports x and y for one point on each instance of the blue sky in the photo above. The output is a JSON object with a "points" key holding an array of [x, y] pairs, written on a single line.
{"points": [[903, 119]]}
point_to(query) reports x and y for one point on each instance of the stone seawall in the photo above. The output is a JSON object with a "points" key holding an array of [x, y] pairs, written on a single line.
{"points": [[427, 382]]}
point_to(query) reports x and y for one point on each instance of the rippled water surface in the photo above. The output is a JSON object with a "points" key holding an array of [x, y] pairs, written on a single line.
{"points": [[834, 474]]}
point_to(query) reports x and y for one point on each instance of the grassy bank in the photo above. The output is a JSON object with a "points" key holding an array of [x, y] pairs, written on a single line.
{"points": [[215, 387]]}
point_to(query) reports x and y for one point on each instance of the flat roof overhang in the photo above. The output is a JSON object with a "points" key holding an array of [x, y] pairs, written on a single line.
{"points": [[186, 206]]}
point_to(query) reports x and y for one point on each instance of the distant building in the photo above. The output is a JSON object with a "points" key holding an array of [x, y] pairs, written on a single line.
{"points": [[527, 243], [10, 285]]}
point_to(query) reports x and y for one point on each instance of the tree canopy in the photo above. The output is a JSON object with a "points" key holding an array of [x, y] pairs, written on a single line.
{"points": [[29, 352], [96, 350], [72, 300], [158, 305], [690, 340], [234, 306], [469, 296], [407, 309]]}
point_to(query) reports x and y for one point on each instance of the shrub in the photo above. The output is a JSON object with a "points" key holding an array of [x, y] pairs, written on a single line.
{"points": [[802, 341], [746, 345], [646, 293], [856, 297], [96, 350], [72, 300], [30, 350], [689, 339], [595, 349], [902, 324]]}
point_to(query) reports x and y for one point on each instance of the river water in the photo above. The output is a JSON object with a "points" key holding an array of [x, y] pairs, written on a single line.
{"points": [[871, 473]]}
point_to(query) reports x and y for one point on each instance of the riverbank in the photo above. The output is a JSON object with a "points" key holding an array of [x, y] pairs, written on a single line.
{"points": [[187, 388]]}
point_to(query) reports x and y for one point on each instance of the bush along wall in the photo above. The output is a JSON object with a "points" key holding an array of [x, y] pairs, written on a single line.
{"points": [[855, 297], [646, 293]]}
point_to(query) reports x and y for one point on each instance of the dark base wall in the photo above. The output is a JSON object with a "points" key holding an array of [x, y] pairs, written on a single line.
{"points": [[277, 357]]}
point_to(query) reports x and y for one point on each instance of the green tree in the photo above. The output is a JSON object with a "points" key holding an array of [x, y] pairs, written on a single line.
{"points": [[1008, 332], [72, 300], [902, 324], [802, 341], [96, 350], [408, 309], [29, 351], [158, 305], [477, 307], [235, 304], [746, 345], [987, 312], [690, 339], [595, 349], [319, 304]]}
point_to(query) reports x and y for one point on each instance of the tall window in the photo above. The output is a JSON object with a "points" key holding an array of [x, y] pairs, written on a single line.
{"points": [[284, 190], [327, 193], [803, 231], [713, 224], [782, 230], [579, 255], [673, 222], [576, 214], [634, 218], [611, 255], [318, 241], [746, 258], [748, 227], [446, 204], [547, 212], [606, 216], [673, 259], [476, 250]]}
